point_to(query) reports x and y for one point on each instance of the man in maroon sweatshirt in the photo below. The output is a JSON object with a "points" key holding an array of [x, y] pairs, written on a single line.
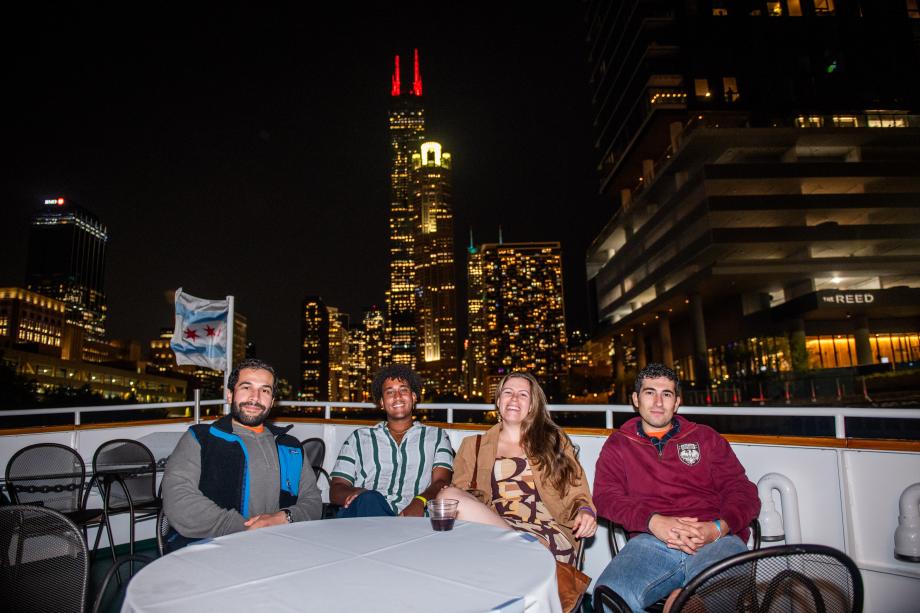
{"points": [[676, 487]]}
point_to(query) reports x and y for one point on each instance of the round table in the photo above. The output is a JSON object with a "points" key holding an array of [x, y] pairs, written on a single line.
{"points": [[376, 564]]}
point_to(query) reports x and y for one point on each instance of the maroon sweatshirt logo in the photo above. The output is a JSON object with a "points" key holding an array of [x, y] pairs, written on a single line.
{"points": [[689, 453]]}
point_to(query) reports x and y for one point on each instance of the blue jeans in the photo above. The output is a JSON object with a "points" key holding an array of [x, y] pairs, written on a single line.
{"points": [[645, 570], [368, 504]]}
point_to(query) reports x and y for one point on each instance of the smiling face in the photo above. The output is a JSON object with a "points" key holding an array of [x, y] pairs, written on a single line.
{"points": [[397, 400], [657, 402], [514, 400], [252, 397]]}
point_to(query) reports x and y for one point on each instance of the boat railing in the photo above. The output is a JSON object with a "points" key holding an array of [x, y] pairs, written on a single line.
{"points": [[196, 407]]}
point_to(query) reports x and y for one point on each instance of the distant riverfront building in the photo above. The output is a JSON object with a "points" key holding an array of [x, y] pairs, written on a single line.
{"points": [[66, 261], [763, 221]]}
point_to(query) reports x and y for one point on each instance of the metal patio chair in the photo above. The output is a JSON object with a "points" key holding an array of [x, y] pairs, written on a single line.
{"points": [[53, 476], [314, 451], [783, 579], [107, 599], [44, 563], [125, 472]]}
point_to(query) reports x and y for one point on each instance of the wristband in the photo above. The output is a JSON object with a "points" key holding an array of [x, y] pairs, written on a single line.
{"points": [[422, 498], [588, 510], [718, 527]]}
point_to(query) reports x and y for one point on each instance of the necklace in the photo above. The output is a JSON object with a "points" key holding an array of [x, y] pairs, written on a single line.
{"points": [[403, 431]]}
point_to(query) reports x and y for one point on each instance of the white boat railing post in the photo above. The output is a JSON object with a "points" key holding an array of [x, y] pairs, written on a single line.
{"points": [[450, 415], [74, 437], [840, 426], [197, 405]]}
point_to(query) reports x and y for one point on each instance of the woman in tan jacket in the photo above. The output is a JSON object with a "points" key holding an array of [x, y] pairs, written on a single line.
{"points": [[528, 471]]}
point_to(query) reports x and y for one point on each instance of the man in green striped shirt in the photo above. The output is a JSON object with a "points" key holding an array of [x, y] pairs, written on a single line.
{"points": [[392, 468]]}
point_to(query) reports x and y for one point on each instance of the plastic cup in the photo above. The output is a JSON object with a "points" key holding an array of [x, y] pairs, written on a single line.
{"points": [[442, 513]]}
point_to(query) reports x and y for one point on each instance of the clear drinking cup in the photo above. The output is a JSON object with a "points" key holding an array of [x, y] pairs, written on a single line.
{"points": [[442, 513]]}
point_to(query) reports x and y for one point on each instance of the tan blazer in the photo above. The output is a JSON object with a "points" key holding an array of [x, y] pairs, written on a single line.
{"points": [[562, 508]]}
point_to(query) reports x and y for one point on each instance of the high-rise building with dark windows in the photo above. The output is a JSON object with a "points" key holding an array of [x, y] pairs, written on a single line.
{"points": [[67, 246], [407, 132], [761, 165], [435, 278], [520, 321]]}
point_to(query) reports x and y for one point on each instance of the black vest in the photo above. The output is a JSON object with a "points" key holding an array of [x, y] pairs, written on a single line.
{"points": [[224, 465]]}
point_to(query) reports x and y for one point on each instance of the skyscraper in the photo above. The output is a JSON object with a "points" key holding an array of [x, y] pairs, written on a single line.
{"points": [[66, 261], [435, 279], [407, 129], [520, 322], [376, 349], [314, 350], [761, 217]]}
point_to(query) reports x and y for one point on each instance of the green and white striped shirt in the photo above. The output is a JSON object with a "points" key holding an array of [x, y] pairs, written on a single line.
{"points": [[371, 459]]}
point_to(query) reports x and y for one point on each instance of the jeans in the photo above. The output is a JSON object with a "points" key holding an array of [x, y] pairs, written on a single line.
{"points": [[368, 504], [646, 570]]}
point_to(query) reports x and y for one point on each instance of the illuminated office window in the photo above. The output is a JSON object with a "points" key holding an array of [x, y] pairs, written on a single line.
{"points": [[701, 88], [824, 7], [730, 88], [774, 9], [809, 121], [794, 7], [845, 121], [886, 121]]}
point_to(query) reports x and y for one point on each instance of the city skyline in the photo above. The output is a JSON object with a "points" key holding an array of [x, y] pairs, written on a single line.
{"points": [[280, 172]]}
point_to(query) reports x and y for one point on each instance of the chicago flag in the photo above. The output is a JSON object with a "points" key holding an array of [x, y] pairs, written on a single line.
{"points": [[200, 336]]}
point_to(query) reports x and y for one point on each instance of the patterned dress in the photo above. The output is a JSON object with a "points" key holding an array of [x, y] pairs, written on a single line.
{"points": [[517, 501]]}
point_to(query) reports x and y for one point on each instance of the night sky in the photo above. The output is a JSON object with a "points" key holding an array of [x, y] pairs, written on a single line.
{"points": [[244, 151]]}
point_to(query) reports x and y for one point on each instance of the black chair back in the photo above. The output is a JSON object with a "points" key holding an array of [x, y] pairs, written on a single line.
{"points": [[136, 467], [48, 475], [314, 451], [777, 579], [162, 531], [44, 563]]}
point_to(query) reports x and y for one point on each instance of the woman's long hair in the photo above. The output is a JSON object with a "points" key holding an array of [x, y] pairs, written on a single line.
{"points": [[543, 441]]}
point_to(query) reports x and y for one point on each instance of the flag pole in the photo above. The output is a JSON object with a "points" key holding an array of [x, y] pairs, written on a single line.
{"points": [[230, 326]]}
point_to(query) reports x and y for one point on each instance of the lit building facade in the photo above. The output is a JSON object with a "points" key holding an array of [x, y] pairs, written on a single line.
{"points": [[314, 350], [31, 320], [50, 372], [765, 221], [338, 342], [376, 350], [407, 132], [520, 324], [66, 261], [435, 278]]}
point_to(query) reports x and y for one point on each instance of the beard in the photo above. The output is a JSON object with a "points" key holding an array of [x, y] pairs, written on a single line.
{"points": [[247, 419]]}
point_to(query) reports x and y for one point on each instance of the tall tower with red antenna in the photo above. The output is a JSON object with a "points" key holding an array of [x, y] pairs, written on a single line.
{"points": [[407, 132]]}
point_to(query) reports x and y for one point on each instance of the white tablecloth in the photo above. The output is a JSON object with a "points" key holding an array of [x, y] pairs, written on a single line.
{"points": [[373, 564]]}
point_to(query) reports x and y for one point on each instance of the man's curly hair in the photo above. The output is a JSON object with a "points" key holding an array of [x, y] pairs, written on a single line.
{"points": [[400, 372], [655, 371]]}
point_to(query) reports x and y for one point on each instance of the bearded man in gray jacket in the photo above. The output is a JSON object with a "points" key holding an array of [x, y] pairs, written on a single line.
{"points": [[238, 473]]}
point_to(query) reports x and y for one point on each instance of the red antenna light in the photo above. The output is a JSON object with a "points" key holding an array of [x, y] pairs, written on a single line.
{"points": [[394, 90], [417, 81]]}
